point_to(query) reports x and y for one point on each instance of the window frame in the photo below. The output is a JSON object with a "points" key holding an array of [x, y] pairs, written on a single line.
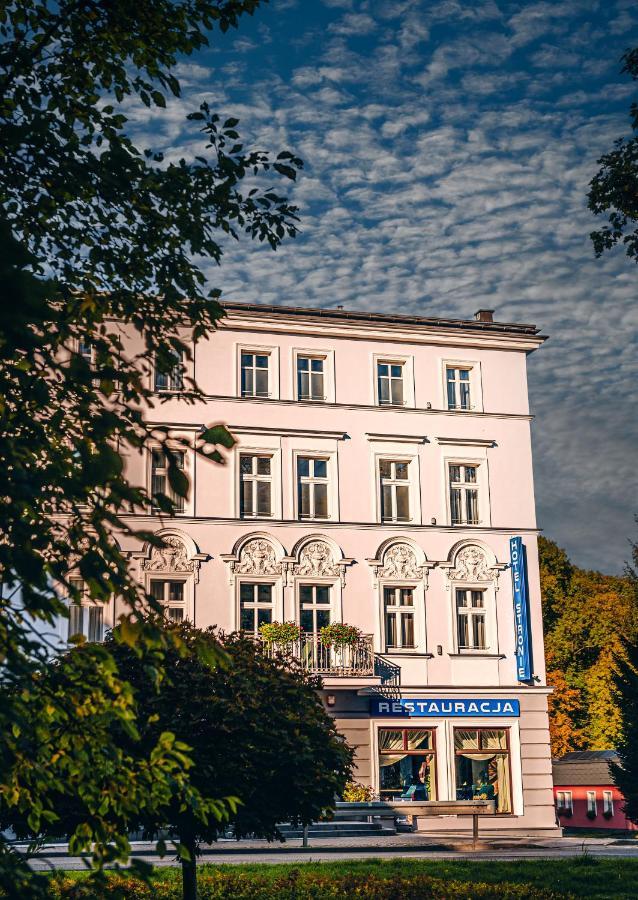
{"points": [[311, 397], [328, 357], [457, 382], [393, 483], [174, 378], [315, 583], [482, 611], [433, 753], [255, 478], [412, 609], [592, 803], [482, 750], [89, 611], [476, 386], [272, 352], [481, 487], [185, 503], [256, 604], [491, 617], [313, 455], [608, 803], [407, 364], [167, 604], [568, 801]]}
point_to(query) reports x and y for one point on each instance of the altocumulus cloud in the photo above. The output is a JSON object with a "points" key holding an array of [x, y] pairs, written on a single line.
{"points": [[448, 148]]}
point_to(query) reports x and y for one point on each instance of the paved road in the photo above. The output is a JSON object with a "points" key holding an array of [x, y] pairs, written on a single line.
{"points": [[409, 847]]}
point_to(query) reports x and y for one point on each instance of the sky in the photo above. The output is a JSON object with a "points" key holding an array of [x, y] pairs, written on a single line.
{"points": [[448, 146]]}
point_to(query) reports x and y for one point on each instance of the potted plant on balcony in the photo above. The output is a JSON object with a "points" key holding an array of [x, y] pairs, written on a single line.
{"points": [[339, 635], [341, 641], [280, 634]]}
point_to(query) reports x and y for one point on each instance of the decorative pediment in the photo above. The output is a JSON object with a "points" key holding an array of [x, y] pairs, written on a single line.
{"points": [[173, 557], [399, 562], [257, 557], [471, 564], [317, 558]]}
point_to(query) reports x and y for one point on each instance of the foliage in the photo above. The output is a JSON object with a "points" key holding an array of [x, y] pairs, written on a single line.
{"points": [[67, 716], [587, 617], [626, 682], [614, 188], [98, 237], [355, 792], [300, 885], [339, 635], [256, 729], [280, 632]]}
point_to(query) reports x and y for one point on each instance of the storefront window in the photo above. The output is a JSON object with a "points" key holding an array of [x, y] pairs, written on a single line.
{"points": [[483, 766], [407, 764]]}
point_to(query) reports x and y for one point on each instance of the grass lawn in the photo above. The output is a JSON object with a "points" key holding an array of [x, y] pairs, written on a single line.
{"points": [[577, 877]]}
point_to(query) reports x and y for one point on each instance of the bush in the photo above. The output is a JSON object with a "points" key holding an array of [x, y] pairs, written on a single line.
{"points": [[298, 885], [354, 792]]}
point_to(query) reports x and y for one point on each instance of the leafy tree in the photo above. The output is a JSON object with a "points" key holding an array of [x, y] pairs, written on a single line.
{"points": [[626, 683], [257, 731], [614, 188], [587, 617], [95, 230]]}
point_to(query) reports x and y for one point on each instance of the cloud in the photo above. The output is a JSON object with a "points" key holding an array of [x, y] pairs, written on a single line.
{"points": [[447, 163]]}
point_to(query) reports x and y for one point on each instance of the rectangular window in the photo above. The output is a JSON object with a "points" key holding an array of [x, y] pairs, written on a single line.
{"points": [[608, 803], [159, 478], [407, 762], [464, 507], [85, 617], [173, 379], [482, 766], [312, 487], [470, 618], [255, 474], [564, 801], [86, 350], [399, 617], [254, 374], [395, 490], [310, 378], [255, 606], [458, 388], [390, 384], [591, 803], [171, 595], [314, 607]]}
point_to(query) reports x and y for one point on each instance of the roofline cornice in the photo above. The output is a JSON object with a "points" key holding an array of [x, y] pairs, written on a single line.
{"points": [[338, 324]]}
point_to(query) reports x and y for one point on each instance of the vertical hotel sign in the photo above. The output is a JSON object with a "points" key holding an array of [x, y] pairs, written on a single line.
{"points": [[519, 583]]}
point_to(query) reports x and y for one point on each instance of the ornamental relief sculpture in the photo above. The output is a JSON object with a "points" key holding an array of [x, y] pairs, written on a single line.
{"points": [[316, 559], [471, 565], [399, 561], [171, 558], [257, 557]]}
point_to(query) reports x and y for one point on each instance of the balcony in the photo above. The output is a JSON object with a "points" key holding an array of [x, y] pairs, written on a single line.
{"points": [[351, 661]]}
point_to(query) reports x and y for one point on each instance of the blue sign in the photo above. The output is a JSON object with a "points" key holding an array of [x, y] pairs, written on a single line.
{"points": [[519, 583], [452, 706]]}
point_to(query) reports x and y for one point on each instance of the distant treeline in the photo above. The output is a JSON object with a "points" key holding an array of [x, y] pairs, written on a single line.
{"points": [[588, 617]]}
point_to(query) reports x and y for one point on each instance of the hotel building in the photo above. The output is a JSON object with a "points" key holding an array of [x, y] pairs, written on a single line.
{"points": [[382, 467]]}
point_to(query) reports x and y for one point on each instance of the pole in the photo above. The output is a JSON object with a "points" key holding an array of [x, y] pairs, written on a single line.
{"points": [[474, 831], [305, 836]]}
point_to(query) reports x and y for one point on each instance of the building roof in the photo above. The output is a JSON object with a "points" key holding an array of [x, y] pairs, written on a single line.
{"points": [[583, 767], [483, 324]]}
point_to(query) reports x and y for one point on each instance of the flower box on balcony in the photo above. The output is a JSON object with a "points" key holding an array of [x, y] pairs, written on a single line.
{"points": [[339, 635], [280, 633]]}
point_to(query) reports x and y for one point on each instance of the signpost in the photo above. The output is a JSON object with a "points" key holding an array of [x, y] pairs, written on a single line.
{"points": [[519, 585]]}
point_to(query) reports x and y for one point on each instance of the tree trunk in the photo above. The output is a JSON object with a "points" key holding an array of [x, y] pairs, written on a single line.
{"points": [[189, 871]]}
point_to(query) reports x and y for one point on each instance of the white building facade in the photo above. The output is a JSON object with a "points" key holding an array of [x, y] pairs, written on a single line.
{"points": [[382, 466]]}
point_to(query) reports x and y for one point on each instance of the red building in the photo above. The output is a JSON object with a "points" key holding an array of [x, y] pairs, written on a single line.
{"points": [[585, 794]]}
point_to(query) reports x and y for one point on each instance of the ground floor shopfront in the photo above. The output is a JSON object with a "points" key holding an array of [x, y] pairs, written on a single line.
{"points": [[453, 744]]}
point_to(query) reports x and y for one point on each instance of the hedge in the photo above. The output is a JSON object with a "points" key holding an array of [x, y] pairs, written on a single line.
{"points": [[297, 886]]}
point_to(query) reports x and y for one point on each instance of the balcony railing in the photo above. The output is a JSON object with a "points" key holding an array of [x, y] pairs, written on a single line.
{"points": [[356, 660]]}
